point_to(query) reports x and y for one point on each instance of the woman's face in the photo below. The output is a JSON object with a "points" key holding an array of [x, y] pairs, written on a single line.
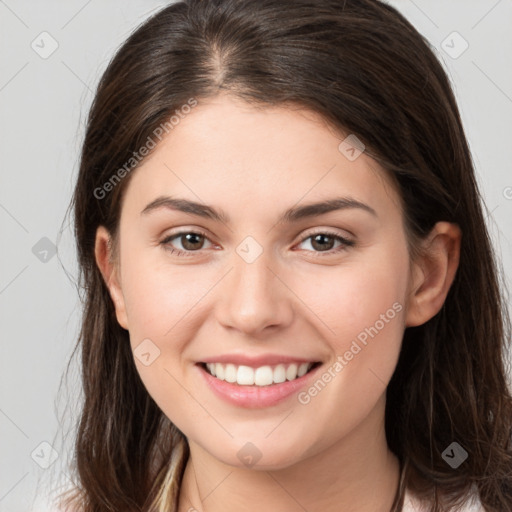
{"points": [[265, 288]]}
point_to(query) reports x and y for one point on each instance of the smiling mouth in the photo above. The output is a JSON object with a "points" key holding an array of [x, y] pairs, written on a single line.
{"points": [[261, 376]]}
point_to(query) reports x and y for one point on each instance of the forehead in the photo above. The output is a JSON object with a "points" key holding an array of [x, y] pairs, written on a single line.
{"points": [[231, 152]]}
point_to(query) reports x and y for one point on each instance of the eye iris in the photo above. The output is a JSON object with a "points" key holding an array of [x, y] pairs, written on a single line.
{"points": [[320, 238], [188, 244]]}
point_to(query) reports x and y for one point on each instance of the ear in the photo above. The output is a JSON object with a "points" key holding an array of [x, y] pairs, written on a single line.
{"points": [[433, 273], [110, 273]]}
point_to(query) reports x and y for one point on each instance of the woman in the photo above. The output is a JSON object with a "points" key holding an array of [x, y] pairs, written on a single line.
{"points": [[291, 299]]}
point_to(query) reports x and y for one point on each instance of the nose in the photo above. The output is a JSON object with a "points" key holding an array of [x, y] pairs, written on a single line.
{"points": [[255, 297]]}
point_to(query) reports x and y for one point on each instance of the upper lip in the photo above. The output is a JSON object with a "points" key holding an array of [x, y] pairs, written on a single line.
{"points": [[257, 361]]}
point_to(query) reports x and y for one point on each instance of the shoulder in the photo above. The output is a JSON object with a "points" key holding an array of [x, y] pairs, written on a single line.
{"points": [[412, 504]]}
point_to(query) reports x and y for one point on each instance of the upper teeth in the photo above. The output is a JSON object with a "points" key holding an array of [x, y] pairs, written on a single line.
{"points": [[262, 376]]}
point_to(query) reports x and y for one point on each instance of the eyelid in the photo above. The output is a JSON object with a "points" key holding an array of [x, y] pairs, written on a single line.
{"points": [[344, 242], [349, 237], [196, 231]]}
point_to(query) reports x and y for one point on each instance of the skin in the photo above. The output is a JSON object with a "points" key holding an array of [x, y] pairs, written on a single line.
{"points": [[295, 299]]}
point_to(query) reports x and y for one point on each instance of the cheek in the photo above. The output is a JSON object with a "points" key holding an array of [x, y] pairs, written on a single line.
{"points": [[158, 295], [363, 308], [160, 301], [356, 293], [364, 300], [366, 296]]}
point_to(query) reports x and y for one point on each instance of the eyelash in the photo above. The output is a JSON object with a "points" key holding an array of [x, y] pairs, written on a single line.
{"points": [[345, 243]]}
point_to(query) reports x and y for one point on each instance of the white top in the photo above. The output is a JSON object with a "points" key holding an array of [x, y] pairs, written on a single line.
{"points": [[411, 504]]}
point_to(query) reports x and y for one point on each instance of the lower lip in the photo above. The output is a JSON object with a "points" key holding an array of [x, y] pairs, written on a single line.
{"points": [[253, 397]]}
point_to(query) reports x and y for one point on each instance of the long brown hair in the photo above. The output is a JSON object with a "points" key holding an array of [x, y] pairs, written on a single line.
{"points": [[365, 69]]}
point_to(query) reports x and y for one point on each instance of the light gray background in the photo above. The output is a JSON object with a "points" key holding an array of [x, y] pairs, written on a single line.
{"points": [[43, 105]]}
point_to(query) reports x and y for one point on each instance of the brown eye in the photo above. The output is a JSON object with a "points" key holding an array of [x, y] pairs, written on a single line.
{"points": [[324, 242], [190, 241]]}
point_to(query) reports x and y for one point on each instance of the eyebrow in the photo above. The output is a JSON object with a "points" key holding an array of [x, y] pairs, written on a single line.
{"points": [[291, 215]]}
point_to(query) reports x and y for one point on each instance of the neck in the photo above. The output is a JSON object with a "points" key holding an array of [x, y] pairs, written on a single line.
{"points": [[358, 473]]}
